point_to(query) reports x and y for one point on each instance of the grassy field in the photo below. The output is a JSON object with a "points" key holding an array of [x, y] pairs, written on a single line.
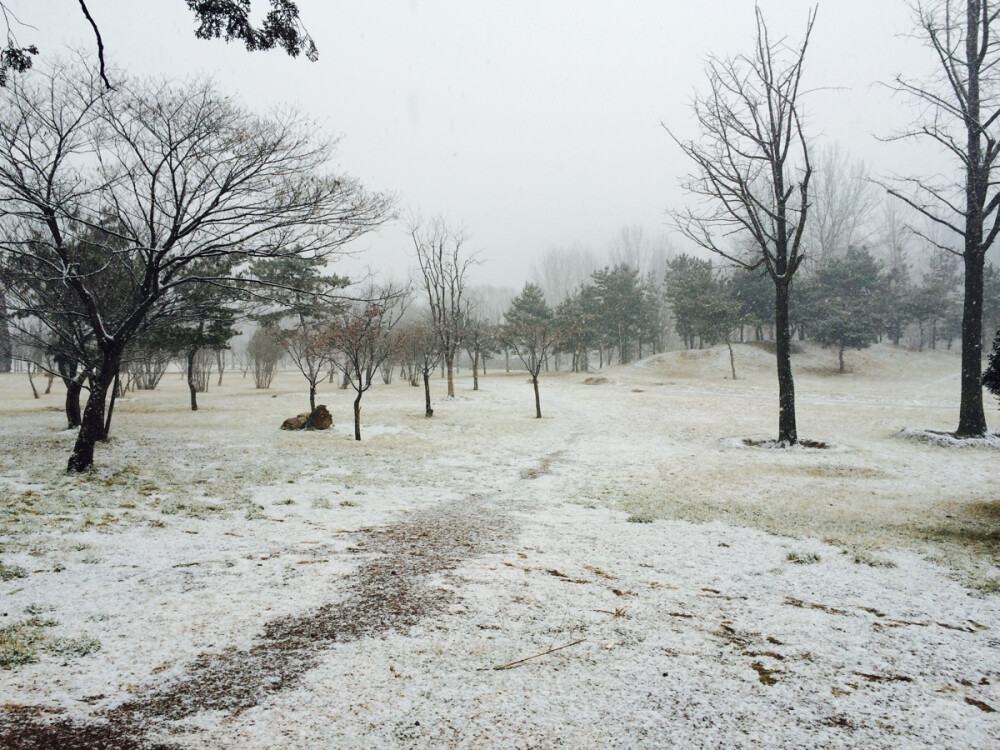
{"points": [[196, 529]]}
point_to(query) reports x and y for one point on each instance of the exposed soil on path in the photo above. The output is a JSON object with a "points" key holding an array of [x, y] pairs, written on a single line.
{"points": [[388, 593]]}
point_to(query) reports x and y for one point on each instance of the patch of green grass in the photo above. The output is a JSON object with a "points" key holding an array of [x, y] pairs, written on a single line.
{"points": [[21, 642], [347, 503], [802, 558], [72, 647], [10, 572], [641, 518], [988, 586], [864, 557], [255, 512]]}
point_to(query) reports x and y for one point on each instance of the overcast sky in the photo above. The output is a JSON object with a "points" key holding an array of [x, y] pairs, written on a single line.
{"points": [[533, 123]]}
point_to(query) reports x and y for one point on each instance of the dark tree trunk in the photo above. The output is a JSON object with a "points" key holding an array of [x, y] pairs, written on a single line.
{"points": [[115, 390], [971, 417], [357, 417], [68, 370], [6, 348], [312, 396], [73, 390], [220, 362], [190, 378], [840, 355], [538, 403], [428, 411], [92, 428], [787, 432], [732, 359], [978, 177], [475, 370]]}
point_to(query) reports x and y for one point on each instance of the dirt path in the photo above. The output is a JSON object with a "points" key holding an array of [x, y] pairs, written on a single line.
{"points": [[389, 593]]}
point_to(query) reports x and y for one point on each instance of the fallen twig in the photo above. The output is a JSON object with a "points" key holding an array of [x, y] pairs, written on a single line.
{"points": [[618, 612], [529, 658]]}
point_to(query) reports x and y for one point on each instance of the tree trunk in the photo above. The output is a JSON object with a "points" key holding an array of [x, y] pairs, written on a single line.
{"points": [[68, 370], [428, 411], [840, 355], [92, 423], [312, 396], [50, 376], [971, 417], [31, 382], [6, 348], [978, 178], [787, 432], [220, 362], [732, 359], [190, 378], [475, 370], [538, 404], [449, 361], [357, 417], [73, 390], [115, 390]]}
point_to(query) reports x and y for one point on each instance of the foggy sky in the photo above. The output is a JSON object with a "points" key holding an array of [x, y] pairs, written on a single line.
{"points": [[533, 124]]}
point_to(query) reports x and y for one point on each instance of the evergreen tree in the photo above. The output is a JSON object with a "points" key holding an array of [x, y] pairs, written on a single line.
{"points": [[530, 331], [991, 376], [936, 304], [300, 308], [619, 299], [754, 294], [843, 304], [689, 287], [577, 328]]}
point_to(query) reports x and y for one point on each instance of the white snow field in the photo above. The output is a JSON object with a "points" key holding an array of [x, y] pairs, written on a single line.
{"points": [[624, 572]]}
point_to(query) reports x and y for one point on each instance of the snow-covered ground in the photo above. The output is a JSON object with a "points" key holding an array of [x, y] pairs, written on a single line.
{"points": [[216, 582]]}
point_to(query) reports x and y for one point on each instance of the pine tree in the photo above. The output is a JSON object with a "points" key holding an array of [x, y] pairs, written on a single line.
{"points": [[531, 332], [843, 302]]}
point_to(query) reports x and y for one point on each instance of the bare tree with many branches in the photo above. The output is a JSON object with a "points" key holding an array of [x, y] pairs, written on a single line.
{"points": [[752, 173], [444, 264], [363, 334], [963, 119]]}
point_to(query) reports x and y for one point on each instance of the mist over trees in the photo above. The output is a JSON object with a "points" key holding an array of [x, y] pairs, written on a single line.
{"points": [[151, 222]]}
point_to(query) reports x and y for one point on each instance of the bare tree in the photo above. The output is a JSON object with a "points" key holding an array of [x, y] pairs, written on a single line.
{"points": [[190, 185], [419, 345], [363, 334], [752, 174], [962, 102], [843, 204], [263, 352], [560, 270], [444, 265]]}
